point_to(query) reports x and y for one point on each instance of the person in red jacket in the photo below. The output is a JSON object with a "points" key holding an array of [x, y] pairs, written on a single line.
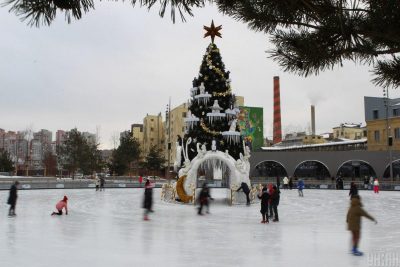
{"points": [[62, 204]]}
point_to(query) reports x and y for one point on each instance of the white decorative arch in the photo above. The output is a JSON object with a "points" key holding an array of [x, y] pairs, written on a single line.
{"points": [[239, 170]]}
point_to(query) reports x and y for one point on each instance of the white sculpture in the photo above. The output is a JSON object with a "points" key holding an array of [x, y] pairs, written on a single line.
{"points": [[202, 89], [216, 108], [204, 148], [178, 159], [232, 128], [213, 145]]}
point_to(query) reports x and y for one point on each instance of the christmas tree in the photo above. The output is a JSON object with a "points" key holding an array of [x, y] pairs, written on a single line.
{"points": [[212, 116]]}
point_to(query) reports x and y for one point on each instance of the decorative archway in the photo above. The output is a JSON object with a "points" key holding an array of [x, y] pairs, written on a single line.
{"points": [[269, 168], [356, 169], [312, 169], [396, 170]]}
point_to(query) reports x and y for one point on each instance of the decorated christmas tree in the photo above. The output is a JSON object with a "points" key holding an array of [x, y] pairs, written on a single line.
{"points": [[211, 122]]}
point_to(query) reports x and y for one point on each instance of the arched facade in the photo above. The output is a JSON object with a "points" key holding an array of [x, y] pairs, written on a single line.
{"points": [[269, 168], [312, 169], [333, 160], [396, 170], [356, 169]]}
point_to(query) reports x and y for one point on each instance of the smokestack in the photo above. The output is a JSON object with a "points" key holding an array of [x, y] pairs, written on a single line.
{"points": [[312, 119], [277, 137]]}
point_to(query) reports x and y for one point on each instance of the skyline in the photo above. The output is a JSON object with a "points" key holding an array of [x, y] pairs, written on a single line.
{"points": [[113, 66]]}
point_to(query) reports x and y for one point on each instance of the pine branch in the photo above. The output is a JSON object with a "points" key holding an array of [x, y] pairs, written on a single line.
{"points": [[387, 73]]}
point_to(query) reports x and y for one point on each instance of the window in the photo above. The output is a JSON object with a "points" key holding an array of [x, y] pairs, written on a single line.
{"points": [[151, 129], [396, 133], [376, 136], [151, 119], [184, 114], [396, 112], [375, 114]]}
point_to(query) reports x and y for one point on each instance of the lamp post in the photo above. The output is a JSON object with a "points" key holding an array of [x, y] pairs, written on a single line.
{"points": [[168, 119], [389, 140]]}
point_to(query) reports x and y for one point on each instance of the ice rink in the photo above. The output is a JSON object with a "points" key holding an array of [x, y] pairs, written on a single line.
{"points": [[106, 229]]}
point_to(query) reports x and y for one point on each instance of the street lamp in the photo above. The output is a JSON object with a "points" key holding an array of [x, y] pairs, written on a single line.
{"points": [[168, 120], [389, 138]]}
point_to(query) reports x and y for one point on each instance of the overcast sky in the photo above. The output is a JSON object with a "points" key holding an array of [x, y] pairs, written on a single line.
{"points": [[118, 63]]}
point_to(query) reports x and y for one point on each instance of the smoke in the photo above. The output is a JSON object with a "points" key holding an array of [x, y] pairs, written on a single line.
{"points": [[315, 97]]}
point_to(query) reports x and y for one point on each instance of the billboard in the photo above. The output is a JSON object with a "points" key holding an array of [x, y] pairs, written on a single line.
{"points": [[251, 126]]}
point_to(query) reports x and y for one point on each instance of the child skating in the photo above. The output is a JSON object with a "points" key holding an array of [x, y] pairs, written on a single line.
{"points": [[300, 187], [62, 204], [354, 222]]}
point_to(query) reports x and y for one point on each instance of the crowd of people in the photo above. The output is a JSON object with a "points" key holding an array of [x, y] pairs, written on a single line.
{"points": [[269, 196]]}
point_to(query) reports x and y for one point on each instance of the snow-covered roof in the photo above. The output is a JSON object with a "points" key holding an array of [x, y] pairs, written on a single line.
{"points": [[345, 142]]}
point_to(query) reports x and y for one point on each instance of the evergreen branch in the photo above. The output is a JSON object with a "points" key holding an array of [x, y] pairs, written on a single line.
{"points": [[387, 73]]}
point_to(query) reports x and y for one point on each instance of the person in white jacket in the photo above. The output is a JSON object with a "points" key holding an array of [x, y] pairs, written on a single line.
{"points": [[285, 182]]}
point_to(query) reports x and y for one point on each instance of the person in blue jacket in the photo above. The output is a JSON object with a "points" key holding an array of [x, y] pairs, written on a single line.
{"points": [[300, 187]]}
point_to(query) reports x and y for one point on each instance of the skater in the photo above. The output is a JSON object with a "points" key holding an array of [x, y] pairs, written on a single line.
{"points": [[354, 222], [300, 187], [204, 196], [278, 182], [140, 180], [246, 191], [102, 182], [366, 183], [62, 204], [339, 183], [371, 182], [275, 197], [264, 196], [285, 183], [270, 208], [290, 183], [148, 199], [12, 199], [376, 186], [353, 190], [97, 182]]}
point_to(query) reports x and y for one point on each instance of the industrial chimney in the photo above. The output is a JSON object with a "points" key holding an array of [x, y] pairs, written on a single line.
{"points": [[277, 135], [312, 119]]}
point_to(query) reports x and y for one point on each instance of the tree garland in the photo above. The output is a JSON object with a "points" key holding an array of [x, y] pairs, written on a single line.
{"points": [[205, 128]]}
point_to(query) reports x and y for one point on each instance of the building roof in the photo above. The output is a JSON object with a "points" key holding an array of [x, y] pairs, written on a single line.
{"points": [[295, 147]]}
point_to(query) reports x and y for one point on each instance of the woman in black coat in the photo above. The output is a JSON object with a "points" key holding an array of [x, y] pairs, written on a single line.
{"points": [[264, 196], [12, 199], [148, 199], [353, 190]]}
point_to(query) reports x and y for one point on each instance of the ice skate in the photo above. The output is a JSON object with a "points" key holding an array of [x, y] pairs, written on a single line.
{"points": [[356, 252]]}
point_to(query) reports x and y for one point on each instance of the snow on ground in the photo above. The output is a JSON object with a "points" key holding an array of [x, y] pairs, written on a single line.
{"points": [[106, 229]]}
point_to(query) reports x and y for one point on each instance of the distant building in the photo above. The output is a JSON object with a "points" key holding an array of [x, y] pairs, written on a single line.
{"points": [[90, 137], [349, 131], [382, 116], [124, 134], [177, 127], [153, 133], [60, 137], [137, 132]]}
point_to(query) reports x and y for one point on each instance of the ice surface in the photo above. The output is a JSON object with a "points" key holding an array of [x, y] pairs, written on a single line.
{"points": [[106, 229]]}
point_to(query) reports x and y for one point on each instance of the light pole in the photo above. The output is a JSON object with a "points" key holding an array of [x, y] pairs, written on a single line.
{"points": [[168, 119], [389, 139]]}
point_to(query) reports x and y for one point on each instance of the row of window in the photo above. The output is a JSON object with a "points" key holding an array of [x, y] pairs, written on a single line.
{"points": [[377, 134], [375, 113]]}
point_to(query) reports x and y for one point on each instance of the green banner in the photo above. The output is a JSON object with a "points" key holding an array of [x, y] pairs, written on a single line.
{"points": [[251, 126]]}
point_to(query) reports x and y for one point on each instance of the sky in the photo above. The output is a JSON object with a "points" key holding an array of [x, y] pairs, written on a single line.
{"points": [[118, 63]]}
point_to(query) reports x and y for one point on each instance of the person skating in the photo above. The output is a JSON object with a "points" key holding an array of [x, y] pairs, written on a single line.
{"points": [[97, 182], [366, 182], [204, 197], [285, 183], [275, 197], [290, 183], [300, 187], [62, 204], [148, 199], [353, 190], [270, 208], [246, 191], [376, 186], [12, 199], [278, 182], [353, 220], [264, 196], [102, 182]]}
